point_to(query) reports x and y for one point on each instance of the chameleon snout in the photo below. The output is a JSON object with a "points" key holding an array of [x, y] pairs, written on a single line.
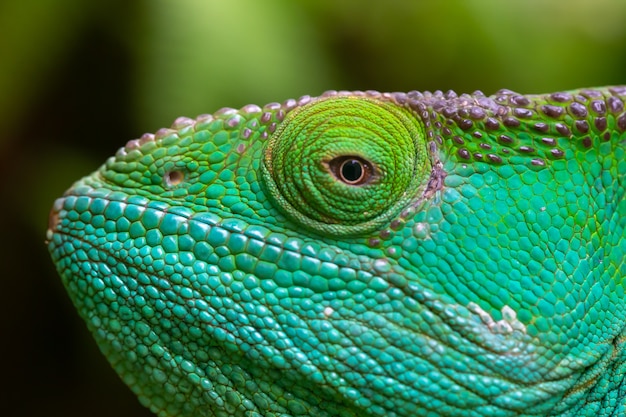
{"points": [[54, 219]]}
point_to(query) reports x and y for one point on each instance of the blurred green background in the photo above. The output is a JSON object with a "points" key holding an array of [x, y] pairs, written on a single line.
{"points": [[80, 78]]}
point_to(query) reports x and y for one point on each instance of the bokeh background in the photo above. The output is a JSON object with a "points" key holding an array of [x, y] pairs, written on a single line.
{"points": [[79, 78]]}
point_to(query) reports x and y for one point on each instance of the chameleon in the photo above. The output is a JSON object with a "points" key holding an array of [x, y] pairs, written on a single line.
{"points": [[362, 254]]}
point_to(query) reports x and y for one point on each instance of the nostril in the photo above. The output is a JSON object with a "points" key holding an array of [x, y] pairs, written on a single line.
{"points": [[173, 178]]}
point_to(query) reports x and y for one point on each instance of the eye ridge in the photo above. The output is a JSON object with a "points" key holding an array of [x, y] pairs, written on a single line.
{"points": [[352, 170]]}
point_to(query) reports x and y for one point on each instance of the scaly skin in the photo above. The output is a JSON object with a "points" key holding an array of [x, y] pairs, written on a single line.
{"points": [[362, 254]]}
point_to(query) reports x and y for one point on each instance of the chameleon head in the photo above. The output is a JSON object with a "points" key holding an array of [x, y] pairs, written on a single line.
{"points": [[341, 256]]}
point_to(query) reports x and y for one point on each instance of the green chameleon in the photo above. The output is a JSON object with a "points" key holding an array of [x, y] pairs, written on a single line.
{"points": [[362, 254]]}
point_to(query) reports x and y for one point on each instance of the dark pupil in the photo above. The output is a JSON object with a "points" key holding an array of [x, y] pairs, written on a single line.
{"points": [[352, 170]]}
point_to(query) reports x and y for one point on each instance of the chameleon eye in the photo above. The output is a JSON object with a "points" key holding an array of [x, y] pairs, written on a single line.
{"points": [[173, 178], [352, 170], [345, 165]]}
